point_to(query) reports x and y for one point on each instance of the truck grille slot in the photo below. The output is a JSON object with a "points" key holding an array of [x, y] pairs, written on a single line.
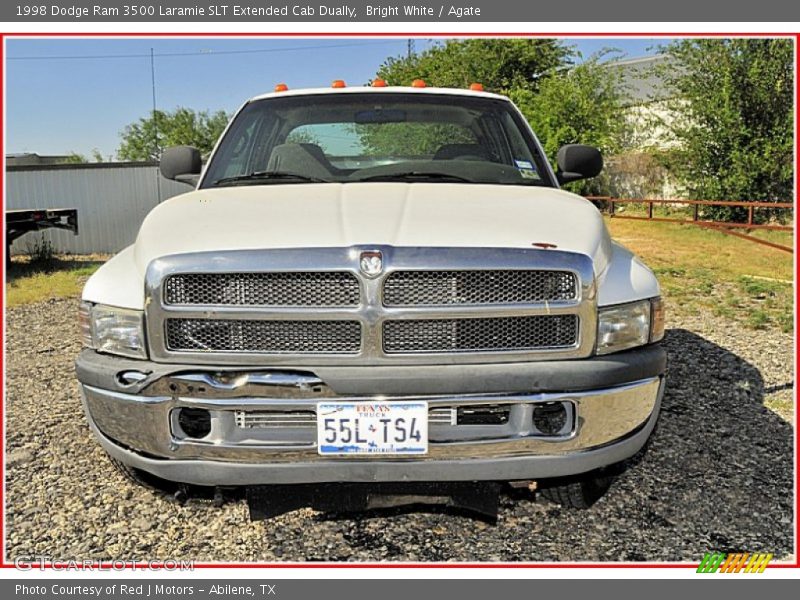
{"points": [[269, 337], [441, 415], [445, 288], [331, 289], [480, 334], [483, 415], [263, 419]]}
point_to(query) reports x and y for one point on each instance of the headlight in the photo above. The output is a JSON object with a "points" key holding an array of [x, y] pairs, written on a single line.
{"points": [[113, 330], [629, 325]]}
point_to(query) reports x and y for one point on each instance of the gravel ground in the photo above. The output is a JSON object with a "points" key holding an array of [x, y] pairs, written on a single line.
{"points": [[717, 475]]}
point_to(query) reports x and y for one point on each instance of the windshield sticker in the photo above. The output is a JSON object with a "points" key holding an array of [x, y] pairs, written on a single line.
{"points": [[526, 169], [524, 164]]}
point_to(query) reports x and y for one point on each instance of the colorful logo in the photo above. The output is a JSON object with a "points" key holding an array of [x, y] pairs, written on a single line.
{"points": [[743, 562]]}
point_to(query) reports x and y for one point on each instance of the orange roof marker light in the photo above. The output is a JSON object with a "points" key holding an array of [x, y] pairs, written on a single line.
{"points": [[418, 83], [338, 83], [476, 87], [281, 87], [378, 83]]}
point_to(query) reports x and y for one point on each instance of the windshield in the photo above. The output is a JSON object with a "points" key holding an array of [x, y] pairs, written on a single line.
{"points": [[360, 137]]}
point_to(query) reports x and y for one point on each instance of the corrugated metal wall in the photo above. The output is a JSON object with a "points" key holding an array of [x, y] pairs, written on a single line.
{"points": [[112, 200]]}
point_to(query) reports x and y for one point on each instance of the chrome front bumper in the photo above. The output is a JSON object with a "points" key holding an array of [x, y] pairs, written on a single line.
{"points": [[610, 424]]}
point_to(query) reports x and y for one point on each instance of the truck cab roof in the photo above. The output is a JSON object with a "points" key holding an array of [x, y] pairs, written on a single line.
{"points": [[393, 89]]}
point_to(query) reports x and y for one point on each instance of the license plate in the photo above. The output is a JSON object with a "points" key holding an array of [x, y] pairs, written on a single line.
{"points": [[372, 427]]}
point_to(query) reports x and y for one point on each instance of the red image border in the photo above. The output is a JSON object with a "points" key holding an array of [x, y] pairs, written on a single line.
{"points": [[356, 35]]}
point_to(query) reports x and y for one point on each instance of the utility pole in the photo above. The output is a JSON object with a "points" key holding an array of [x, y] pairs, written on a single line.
{"points": [[411, 49], [155, 120]]}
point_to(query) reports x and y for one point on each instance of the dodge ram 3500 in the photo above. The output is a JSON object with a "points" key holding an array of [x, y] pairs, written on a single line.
{"points": [[374, 284]]}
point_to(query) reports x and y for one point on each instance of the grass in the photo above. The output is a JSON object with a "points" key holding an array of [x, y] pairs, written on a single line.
{"points": [[701, 269], [39, 278], [785, 238], [783, 406]]}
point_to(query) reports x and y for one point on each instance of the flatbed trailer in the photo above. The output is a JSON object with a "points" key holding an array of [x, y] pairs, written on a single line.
{"points": [[21, 221]]}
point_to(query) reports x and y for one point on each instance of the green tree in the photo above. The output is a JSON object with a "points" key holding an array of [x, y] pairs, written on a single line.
{"points": [[73, 158], [581, 105], [732, 101], [301, 135], [499, 64], [76, 158], [146, 139], [410, 139]]}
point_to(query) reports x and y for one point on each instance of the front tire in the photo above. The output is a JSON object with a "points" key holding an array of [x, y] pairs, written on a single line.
{"points": [[578, 493], [140, 478]]}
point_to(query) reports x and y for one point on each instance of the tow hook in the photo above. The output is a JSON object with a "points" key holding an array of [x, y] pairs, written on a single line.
{"points": [[181, 495]]}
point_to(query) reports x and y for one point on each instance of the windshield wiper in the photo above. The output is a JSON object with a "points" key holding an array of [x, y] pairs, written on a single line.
{"points": [[269, 176], [423, 175]]}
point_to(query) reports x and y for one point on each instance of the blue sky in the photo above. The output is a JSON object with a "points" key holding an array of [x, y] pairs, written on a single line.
{"points": [[75, 95]]}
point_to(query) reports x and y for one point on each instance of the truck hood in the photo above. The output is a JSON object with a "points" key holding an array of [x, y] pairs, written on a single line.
{"points": [[395, 214]]}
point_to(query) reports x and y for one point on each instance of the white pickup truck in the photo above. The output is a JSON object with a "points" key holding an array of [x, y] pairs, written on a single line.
{"points": [[375, 284]]}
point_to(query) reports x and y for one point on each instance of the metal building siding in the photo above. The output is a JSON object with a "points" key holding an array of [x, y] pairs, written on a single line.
{"points": [[111, 201]]}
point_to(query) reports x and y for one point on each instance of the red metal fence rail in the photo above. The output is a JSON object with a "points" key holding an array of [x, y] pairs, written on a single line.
{"points": [[721, 226]]}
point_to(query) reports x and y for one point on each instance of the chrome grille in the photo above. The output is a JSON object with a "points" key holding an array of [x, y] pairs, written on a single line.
{"points": [[312, 307], [271, 337], [480, 334], [263, 289], [444, 288]]}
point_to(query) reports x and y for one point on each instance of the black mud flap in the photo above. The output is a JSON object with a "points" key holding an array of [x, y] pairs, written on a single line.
{"points": [[478, 499]]}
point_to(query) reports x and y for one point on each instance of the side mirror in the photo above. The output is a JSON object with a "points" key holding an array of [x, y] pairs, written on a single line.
{"points": [[576, 161], [181, 163]]}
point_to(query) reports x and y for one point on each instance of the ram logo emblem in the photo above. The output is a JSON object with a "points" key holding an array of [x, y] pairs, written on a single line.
{"points": [[371, 263]]}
